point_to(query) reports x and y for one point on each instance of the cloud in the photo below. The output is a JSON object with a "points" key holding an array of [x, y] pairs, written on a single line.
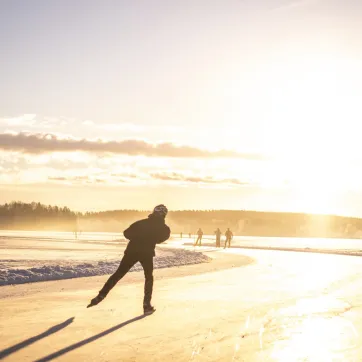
{"points": [[174, 176], [57, 178], [77, 179], [141, 177], [127, 175], [23, 120], [132, 127], [37, 123], [34, 122], [124, 127], [72, 178], [38, 143]]}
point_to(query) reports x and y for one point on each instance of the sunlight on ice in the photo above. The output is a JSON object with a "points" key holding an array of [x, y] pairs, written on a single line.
{"points": [[308, 306], [316, 340], [315, 274]]}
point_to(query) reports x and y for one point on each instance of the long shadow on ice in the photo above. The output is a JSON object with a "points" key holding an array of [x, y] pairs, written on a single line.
{"points": [[16, 347], [88, 340]]}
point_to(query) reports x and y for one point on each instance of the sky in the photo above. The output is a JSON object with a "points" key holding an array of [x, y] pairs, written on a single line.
{"points": [[235, 104]]}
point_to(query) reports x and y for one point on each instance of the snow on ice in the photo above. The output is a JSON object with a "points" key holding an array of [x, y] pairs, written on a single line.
{"points": [[58, 270]]}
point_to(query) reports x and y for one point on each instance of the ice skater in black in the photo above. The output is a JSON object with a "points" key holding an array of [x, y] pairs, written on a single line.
{"points": [[143, 236]]}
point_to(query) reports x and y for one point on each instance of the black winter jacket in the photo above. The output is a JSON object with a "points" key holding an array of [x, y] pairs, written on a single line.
{"points": [[143, 235]]}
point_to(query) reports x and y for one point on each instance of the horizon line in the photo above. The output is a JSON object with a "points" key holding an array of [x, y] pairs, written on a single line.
{"points": [[189, 210]]}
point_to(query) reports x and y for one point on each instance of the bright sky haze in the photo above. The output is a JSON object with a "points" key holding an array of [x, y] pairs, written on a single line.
{"points": [[236, 104]]}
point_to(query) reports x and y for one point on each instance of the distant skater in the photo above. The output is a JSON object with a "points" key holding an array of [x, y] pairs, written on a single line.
{"points": [[218, 237], [199, 237], [143, 235], [229, 235]]}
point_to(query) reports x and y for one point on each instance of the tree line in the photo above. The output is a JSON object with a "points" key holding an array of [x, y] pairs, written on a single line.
{"points": [[36, 216]]}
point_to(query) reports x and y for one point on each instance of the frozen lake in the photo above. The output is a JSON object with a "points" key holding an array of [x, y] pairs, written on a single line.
{"points": [[37, 256], [286, 242], [104, 237]]}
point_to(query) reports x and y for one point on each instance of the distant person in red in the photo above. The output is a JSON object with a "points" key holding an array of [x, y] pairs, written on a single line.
{"points": [[143, 235], [229, 235], [199, 237], [218, 237]]}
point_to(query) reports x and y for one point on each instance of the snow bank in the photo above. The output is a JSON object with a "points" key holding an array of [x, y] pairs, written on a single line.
{"points": [[87, 269]]}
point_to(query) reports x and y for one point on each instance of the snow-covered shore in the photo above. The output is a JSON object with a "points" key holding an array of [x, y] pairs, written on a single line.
{"points": [[67, 270]]}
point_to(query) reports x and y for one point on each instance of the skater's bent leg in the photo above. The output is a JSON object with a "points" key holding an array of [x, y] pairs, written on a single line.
{"points": [[126, 264], [147, 264]]}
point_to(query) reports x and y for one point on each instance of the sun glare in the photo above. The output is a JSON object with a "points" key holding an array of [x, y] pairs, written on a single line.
{"points": [[312, 105]]}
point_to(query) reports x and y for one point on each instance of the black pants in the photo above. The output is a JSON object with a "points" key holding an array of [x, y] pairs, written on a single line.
{"points": [[217, 242], [126, 264], [227, 240], [198, 241]]}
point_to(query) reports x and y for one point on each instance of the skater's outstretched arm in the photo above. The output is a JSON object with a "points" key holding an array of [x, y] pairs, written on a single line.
{"points": [[132, 232]]}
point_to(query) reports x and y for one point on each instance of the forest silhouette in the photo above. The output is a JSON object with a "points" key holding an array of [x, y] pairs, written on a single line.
{"points": [[36, 216]]}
